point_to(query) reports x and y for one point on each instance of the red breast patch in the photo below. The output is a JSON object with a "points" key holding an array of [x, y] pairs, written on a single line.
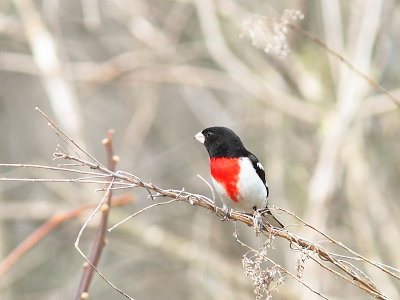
{"points": [[226, 172]]}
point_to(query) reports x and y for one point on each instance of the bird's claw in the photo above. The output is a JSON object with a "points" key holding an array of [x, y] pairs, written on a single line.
{"points": [[226, 211], [258, 221]]}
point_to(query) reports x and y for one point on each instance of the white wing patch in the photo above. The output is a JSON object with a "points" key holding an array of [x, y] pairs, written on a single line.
{"points": [[252, 190], [260, 166]]}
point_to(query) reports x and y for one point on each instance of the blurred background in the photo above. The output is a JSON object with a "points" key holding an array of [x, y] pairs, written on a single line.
{"points": [[160, 71]]}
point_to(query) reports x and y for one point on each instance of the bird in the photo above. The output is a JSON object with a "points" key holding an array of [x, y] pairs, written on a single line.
{"points": [[237, 174]]}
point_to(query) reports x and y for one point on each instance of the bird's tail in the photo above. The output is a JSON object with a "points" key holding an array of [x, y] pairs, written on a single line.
{"points": [[269, 218]]}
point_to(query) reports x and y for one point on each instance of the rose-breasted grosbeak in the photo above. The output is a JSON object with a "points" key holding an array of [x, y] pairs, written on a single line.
{"points": [[238, 176]]}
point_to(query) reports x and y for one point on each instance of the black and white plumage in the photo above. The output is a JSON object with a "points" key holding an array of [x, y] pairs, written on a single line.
{"points": [[237, 174]]}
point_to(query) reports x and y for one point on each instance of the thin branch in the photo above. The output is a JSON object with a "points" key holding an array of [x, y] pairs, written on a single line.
{"points": [[56, 128], [64, 180], [99, 241], [236, 235], [347, 272], [199, 200], [129, 186], [84, 295], [138, 179], [370, 81], [98, 244], [139, 212], [377, 265], [92, 214], [336, 273], [91, 177], [353, 280], [53, 168], [296, 278], [209, 186]]}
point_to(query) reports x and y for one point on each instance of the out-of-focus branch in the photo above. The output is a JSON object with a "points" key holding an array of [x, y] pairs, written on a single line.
{"points": [[351, 90], [379, 105], [385, 245], [252, 83], [91, 14], [20, 63], [10, 26], [61, 93], [47, 227], [333, 29]]}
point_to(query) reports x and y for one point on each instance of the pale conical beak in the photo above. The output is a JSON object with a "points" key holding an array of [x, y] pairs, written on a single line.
{"points": [[200, 137]]}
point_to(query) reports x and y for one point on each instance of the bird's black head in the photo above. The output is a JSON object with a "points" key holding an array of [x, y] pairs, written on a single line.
{"points": [[221, 142]]}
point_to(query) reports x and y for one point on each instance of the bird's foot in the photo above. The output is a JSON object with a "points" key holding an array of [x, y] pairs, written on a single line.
{"points": [[226, 211], [258, 221]]}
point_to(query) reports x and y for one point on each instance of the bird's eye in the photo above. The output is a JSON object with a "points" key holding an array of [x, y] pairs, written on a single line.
{"points": [[209, 134]]}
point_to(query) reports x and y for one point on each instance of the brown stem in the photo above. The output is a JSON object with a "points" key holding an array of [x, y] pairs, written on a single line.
{"points": [[199, 200], [346, 270], [99, 241]]}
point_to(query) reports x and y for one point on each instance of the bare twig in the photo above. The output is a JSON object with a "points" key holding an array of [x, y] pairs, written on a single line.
{"points": [[199, 200], [357, 255], [202, 201], [209, 186], [370, 81], [56, 128], [336, 273], [344, 270], [53, 168], [139, 212], [99, 242], [65, 180], [236, 235]]}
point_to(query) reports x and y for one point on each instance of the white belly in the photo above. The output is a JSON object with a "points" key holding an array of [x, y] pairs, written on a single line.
{"points": [[252, 191]]}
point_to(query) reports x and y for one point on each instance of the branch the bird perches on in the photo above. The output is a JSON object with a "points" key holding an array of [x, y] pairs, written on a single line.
{"points": [[338, 264]]}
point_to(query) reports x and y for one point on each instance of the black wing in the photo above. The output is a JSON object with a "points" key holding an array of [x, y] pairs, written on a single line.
{"points": [[259, 169]]}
